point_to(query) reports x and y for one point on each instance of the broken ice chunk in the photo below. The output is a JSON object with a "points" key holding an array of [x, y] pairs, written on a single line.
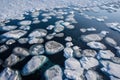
{"points": [[68, 38], [91, 37], [25, 23], [10, 41], [68, 52], [111, 41], [35, 63], [16, 34], [54, 73], [34, 40], [88, 62], [58, 28], [50, 27], [96, 45], [9, 74], [3, 48], [36, 49], [8, 28], [91, 75], [59, 35], [38, 33], [12, 60], [23, 40], [19, 51], [115, 60], [112, 69], [89, 53], [24, 27], [53, 47], [73, 69], [105, 54], [76, 52]]}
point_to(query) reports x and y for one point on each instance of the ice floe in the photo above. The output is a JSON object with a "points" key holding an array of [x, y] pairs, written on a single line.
{"points": [[73, 69], [23, 40], [9, 74], [24, 27], [105, 54], [68, 52], [58, 28], [68, 38], [16, 34], [114, 26], [54, 73], [110, 68], [115, 59], [53, 47], [69, 44], [12, 60], [111, 42], [96, 45], [50, 36], [91, 37], [3, 48], [35, 63], [88, 62], [87, 29], [19, 51], [10, 41], [36, 49], [8, 28], [89, 53], [38, 33], [91, 75], [35, 40], [50, 27], [59, 35], [76, 51], [25, 23]]}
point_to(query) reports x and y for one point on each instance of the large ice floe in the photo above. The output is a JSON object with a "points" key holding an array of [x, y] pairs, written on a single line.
{"points": [[92, 75], [91, 37], [35, 63], [96, 45], [16, 34], [105, 54], [36, 49], [38, 33], [53, 47], [9, 74], [54, 73], [110, 68], [88, 62], [73, 69]]}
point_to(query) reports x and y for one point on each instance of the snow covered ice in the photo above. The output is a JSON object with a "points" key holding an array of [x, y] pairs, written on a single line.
{"points": [[53, 47]]}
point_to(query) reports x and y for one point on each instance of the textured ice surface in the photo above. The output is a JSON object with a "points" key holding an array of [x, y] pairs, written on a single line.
{"points": [[112, 69], [9, 74], [53, 47], [96, 45], [35, 63], [16, 34], [36, 49], [71, 71], [54, 73], [88, 62]]}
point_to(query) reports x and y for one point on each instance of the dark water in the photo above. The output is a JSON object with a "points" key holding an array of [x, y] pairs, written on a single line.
{"points": [[75, 34]]}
